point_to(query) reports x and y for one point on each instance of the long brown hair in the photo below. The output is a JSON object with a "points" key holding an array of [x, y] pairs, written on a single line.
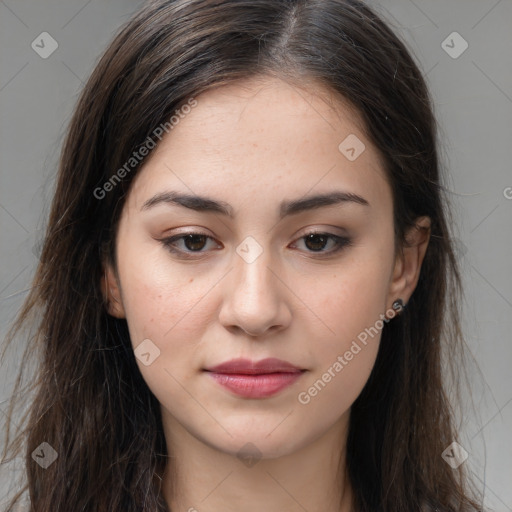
{"points": [[88, 400]]}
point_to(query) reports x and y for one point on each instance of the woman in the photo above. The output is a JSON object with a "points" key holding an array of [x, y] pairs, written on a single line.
{"points": [[247, 278]]}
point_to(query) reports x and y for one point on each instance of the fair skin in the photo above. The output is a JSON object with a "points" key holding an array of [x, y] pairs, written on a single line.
{"points": [[252, 145]]}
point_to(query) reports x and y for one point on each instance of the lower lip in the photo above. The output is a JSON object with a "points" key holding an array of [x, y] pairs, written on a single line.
{"points": [[255, 386]]}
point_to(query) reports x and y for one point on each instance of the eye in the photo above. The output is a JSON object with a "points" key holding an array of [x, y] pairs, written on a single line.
{"points": [[316, 241], [193, 241]]}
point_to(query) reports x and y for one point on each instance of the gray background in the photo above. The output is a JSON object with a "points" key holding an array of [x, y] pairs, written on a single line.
{"points": [[473, 104]]}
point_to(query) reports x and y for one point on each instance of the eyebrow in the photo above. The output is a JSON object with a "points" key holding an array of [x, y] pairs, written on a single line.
{"points": [[206, 204]]}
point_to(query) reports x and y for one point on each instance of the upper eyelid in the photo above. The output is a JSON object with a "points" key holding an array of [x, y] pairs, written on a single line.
{"points": [[307, 230], [339, 239], [312, 231]]}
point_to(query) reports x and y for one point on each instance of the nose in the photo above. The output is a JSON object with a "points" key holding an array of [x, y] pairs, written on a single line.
{"points": [[255, 299]]}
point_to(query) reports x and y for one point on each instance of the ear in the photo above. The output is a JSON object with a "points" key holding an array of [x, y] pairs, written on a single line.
{"points": [[112, 292], [408, 262]]}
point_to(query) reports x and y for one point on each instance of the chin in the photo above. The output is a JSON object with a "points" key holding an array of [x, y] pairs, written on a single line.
{"points": [[255, 444]]}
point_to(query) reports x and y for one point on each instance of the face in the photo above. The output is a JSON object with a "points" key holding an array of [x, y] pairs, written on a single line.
{"points": [[255, 270]]}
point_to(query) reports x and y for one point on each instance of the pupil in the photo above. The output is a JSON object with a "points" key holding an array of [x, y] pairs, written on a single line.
{"points": [[193, 239], [309, 238]]}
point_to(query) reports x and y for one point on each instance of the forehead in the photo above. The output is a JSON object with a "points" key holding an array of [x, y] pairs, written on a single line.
{"points": [[265, 137]]}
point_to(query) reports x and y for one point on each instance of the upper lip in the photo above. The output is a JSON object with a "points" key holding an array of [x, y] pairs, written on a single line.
{"points": [[246, 366]]}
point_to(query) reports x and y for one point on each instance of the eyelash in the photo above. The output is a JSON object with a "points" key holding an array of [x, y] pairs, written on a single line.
{"points": [[340, 241]]}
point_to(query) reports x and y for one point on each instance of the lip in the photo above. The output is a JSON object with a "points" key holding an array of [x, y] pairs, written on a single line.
{"points": [[259, 379], [248, 367]]}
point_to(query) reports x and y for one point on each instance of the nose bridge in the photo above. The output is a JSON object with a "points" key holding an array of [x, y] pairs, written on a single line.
{"points": [[252, 274], [254, 301]]}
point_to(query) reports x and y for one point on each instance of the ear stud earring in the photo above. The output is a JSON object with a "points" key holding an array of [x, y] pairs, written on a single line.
{"points": [[398, 305]]}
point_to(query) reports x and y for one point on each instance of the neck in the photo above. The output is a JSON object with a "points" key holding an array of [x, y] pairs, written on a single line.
{"points": [[201, 478]]}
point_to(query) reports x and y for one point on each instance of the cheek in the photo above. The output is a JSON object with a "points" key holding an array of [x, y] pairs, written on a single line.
{"points": [[165, 308], [350, 299], [331, 392], [351, 304], [171, 306], [157, 298]]}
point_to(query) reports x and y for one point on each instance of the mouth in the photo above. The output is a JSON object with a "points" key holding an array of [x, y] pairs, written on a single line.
{"points": [[259, 379]]}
